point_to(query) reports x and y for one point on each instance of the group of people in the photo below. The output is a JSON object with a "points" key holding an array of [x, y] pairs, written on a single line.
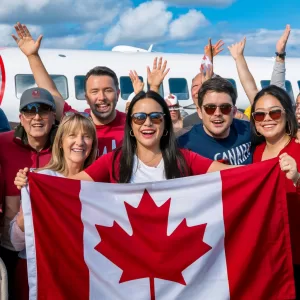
{"points": [[150, 142]]}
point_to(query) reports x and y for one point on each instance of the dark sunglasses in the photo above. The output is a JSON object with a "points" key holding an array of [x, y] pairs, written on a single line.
{"points": [[140, 117], [275, 114], [31, 110], [224, 108]]}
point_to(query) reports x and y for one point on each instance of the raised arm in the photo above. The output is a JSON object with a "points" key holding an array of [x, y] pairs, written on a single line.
{"points": [[30, 48], [137, 84], [158, 74], [213, 50], [246, 78], [278, 74]]}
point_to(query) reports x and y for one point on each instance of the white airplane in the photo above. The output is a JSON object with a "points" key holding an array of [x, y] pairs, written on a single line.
{"points": [[68, 68]]}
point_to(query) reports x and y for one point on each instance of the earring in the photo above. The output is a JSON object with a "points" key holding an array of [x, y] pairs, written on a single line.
{"points": [[131, 133], [256, 132], [166, 133]]}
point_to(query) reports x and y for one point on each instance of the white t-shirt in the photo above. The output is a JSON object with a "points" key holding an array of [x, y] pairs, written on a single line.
{"points": [[143, 173]]}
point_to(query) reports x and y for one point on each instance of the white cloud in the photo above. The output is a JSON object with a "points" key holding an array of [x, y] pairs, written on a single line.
{"points": [[90, 12], [263, 41], [186, 25], [147, 22], [7, 30], [214, 3], [68, 42]]}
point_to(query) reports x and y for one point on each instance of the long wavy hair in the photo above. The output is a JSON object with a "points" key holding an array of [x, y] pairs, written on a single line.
{"points": [[71, 124], [174, 161], [283, 97]]}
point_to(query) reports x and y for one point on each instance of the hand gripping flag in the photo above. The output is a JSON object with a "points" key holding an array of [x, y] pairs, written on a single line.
{"points": [[223, 235]]}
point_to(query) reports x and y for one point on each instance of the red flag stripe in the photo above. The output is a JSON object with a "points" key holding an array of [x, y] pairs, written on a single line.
{"points": [[61, 269], [257, 228]]}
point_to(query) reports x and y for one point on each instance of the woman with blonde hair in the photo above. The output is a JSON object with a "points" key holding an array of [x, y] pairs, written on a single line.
{"points": [[74, 149]]}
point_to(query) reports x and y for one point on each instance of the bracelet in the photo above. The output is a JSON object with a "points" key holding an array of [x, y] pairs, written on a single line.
{"points": [[281, 55]]}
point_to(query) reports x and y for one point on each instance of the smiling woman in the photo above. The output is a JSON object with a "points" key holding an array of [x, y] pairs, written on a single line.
{"points": [[274, 127], [74, 148], [149, 151]]}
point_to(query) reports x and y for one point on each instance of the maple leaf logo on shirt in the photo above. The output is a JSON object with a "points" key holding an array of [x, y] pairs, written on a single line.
{"points": [[149, 252]]}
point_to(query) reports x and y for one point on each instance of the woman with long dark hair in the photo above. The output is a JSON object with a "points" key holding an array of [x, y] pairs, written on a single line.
{"points": [[149, 151], [274, 127]]}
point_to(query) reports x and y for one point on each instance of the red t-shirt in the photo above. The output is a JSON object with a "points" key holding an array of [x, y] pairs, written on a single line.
{"points": [[14, 155], [110, 136], [293, 196], [101, 169]]}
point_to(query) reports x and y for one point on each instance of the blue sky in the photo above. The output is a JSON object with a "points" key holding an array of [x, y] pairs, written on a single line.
{"points": [[172, 25]]}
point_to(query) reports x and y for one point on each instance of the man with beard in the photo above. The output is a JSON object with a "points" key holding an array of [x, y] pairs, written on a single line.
{"points": [[221, 137], [101, 92]]}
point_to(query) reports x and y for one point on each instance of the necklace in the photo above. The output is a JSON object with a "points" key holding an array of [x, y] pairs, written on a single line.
{"points": [[149, 163]]}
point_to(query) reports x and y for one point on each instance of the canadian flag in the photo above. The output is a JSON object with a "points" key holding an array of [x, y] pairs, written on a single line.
{"points": [[223, 235]]}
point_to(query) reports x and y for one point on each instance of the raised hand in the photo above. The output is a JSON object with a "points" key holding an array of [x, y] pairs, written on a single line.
{"points": [[206, 72], [137, 84], [289, 166], [237, 49], [158, 73], [25, 41], [281, 44], [21, 178], [216, 48]]}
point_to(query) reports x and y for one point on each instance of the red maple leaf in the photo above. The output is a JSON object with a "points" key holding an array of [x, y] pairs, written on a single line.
{"points": [[149, 252]]}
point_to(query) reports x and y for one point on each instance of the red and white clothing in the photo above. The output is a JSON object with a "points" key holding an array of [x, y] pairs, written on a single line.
{"points": [[16, 155], [292, 193], [110, 136], [102, 169]]}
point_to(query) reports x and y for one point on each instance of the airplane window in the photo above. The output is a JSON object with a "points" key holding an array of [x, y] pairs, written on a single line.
{"points": [[288, 86], [26, 81], [265, 83], [232, 81], [179, 87], [126, 86], [79, 87]]}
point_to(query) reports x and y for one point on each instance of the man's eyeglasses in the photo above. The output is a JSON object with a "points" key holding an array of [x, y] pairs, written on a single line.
{"points": [[33, 109], [274, 114], [173, 108], [224, 108], [140, 117]]}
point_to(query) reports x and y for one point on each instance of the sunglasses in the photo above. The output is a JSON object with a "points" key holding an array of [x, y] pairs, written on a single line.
{"points": [[33, 109], [224, 108], [275, 114], [173, 108], [140, 118]]}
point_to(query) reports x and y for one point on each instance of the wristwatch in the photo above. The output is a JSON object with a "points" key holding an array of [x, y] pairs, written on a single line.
{"points": [[281, 55]]}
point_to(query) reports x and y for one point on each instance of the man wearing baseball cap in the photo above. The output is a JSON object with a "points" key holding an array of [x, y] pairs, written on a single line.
{"points": [[28, 145]]}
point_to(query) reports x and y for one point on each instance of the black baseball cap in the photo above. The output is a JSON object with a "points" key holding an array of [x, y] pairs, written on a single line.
{"points": [[37, 95]]}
